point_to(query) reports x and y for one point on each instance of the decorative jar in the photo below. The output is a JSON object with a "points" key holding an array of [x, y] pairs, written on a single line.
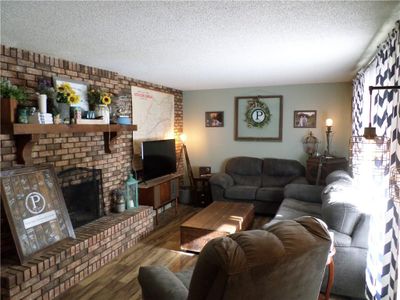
{"points": [[103, 111], [131, 192]]}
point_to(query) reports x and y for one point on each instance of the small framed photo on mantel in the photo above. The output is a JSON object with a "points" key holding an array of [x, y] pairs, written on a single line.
{"points": [[305, 119]]}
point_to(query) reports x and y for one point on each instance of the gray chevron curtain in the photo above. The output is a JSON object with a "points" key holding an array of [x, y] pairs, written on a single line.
{"points": [[383, 257]]}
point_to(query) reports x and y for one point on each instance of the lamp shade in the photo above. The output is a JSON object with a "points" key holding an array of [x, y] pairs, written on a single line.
{"points": [[329, 122], [183, 137], [369, 157]]}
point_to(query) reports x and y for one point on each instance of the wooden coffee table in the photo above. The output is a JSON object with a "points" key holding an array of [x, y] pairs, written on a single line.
{"points": [[216, 220]]}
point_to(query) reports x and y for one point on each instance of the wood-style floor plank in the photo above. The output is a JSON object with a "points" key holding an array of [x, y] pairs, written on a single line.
{"points": [[118, 279]]}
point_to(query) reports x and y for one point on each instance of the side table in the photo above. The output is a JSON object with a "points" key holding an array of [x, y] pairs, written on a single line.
{"points": [[202, 190], [320, 167]]}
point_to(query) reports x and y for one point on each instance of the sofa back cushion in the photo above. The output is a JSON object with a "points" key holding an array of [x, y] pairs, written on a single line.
{"points": [[280, 172], [340, 210], [336, 175], [245, 170]]}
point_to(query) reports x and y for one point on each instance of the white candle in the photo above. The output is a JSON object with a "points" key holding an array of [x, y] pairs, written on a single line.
{"points": [[329, 122], [42, 104]]}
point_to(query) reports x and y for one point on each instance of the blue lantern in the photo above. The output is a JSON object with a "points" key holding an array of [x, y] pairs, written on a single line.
{"points": [[131, 192]]}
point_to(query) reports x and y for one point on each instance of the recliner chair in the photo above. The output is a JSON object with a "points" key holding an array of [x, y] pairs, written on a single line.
{"points": [[283, 261]]}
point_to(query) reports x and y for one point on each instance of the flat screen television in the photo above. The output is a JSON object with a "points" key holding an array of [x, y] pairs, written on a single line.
{"points": [[159, 158]]}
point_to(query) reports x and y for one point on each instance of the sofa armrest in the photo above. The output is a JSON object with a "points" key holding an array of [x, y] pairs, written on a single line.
{"points": [[303, 192], [221, 179], [159, 283]]}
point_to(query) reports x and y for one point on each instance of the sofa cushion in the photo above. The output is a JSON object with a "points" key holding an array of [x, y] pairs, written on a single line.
{"points": [[292, 208], [336, 175], [341, 239], [270, 194], [241, 192], [304, 192], [280, 172], [339, 209], [245, 170]]}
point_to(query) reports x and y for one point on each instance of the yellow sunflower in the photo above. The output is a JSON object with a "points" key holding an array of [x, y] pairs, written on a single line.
{"points": [[67, 86], [73, 99], [106, 99]]}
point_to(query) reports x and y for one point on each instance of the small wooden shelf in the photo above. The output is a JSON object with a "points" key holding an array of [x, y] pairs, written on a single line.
{"points": [[26, 135]]}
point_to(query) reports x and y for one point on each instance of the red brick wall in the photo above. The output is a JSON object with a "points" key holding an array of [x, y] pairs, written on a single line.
{"points": [[24, 68], [61, 267]]}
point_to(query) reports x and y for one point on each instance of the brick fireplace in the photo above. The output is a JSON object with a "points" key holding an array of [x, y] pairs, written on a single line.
{"points": [[104, 239]]}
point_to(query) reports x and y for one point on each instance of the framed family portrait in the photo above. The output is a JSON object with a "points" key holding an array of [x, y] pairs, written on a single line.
{"points": [[79, 87], [305, 119], [214, 119], [258, 118]]}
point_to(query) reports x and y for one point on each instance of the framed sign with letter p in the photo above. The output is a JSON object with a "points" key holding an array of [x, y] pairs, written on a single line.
{"points": [[258, 118], [35, 209]]}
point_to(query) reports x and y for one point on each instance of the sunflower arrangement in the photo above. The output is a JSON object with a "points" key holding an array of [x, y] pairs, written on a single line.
{"points": [[96, 96], [66, 94]]}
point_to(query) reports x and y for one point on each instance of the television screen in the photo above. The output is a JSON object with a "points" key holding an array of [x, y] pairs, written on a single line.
{"points": [[159, 158]]}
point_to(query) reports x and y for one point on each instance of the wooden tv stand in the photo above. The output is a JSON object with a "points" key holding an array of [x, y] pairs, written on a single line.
{"points": [[160, 191]]}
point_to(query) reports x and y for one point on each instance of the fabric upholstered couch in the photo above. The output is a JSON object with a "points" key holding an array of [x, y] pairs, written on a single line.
{"points": [[255, 180], [284, 261], [337, 205]]}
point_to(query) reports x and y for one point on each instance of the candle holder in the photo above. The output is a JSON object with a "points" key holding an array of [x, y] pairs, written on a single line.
{"points": [[329, 135]]}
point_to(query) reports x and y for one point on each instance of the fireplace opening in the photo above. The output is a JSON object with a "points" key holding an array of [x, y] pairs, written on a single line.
{"points": [[82, 189]]}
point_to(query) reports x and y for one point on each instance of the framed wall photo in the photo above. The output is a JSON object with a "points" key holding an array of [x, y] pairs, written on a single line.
{"points": [[305, 119], [35, 209], [78, 86], [214, 119], [258, 118]]}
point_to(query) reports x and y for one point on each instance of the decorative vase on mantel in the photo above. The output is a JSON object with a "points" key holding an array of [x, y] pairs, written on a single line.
{"points": [[8, 111], [63, 108], [103, 111]]}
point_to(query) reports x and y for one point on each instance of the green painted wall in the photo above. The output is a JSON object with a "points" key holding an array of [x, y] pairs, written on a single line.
{"points": [[212, 146]]}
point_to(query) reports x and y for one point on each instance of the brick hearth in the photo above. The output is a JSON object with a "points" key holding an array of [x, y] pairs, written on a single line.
{"points": [[56, 270]]}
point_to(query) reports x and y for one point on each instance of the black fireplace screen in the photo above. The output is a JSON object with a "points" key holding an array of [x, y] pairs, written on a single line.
{"points": [[83, 193]]}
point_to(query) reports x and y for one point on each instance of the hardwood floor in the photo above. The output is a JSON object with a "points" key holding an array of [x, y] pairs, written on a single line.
{"points": [[118, 279]]}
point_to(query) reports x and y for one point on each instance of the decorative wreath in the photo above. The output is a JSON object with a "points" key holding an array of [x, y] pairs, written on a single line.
{"points": [[256, 107]]}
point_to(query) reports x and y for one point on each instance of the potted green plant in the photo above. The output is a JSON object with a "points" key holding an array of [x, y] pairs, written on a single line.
{"points": [[11, 97]]}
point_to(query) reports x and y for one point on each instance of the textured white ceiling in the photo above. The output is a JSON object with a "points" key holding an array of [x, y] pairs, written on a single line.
{"points": [[203, 45]]}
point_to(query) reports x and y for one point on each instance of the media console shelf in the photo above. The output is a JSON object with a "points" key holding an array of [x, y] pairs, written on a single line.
{"points": [[27, 135], [160, 191]]}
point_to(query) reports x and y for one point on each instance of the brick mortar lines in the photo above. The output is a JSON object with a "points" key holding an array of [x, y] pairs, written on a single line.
{"points": [[54, 272], [24, 68]]}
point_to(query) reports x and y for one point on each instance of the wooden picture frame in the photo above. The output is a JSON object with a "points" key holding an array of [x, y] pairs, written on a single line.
{"points": [[214, 119], [79, 87], [305, 119], [35, 209], [258, 118]]}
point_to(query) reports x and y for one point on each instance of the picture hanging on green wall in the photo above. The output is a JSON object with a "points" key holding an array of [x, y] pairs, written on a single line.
{"points": [[258, 118]]}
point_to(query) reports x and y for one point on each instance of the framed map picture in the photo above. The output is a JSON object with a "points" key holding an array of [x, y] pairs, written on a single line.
{"points": [[153, 112], [35, 209]]}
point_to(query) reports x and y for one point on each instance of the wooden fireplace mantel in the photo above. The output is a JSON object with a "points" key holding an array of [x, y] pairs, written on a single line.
{"points": [[27, 135]]}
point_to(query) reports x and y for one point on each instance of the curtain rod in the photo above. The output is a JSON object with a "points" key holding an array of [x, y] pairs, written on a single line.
{"points": [[388, 87]]}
